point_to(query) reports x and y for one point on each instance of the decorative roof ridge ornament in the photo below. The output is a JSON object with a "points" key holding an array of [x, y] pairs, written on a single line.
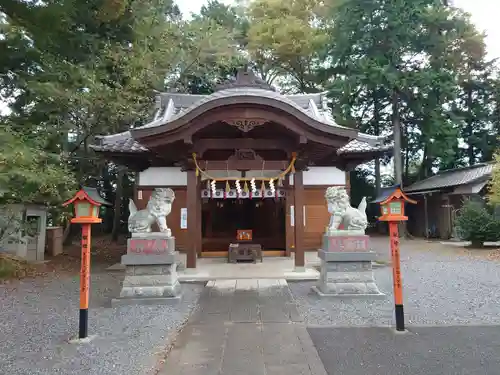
{"points": [[245, 77]]}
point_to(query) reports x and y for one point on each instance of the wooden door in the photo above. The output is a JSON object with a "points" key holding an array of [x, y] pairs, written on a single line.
{"points": [[316, 217]]}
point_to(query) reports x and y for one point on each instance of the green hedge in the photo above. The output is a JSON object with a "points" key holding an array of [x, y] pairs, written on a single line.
{"points": [[477, 223]]}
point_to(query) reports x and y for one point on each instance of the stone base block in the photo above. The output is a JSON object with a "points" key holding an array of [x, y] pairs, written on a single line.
{"points": [[150, 244], [85, 340], [346, 275], [149, 277], [344, 241], [361, 296], [150, 291], [148, 260], [115, 302]]}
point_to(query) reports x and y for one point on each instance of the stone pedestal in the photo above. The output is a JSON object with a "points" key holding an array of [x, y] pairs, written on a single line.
{"points": [[150, 271], [346, 267]]}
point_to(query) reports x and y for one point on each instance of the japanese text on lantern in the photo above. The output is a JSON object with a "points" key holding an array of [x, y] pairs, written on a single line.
{"points": [[84, 270], [396, 260]]}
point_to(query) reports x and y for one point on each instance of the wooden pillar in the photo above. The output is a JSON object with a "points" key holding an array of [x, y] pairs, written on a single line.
{"points": [[348, 181], [289, 229], [426, 216], [199, 214], [298, 188], [193, 211]]}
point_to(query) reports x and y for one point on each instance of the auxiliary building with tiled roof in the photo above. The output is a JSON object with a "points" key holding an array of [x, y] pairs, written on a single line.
{"points": [[441, 196], [466, 180]]}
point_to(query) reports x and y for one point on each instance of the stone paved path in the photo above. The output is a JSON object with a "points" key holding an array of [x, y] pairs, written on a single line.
{"points": [[244, 327]]}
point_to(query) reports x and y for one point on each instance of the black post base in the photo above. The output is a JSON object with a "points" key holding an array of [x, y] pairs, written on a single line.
{"points": [[84, 323], [400, 318]]}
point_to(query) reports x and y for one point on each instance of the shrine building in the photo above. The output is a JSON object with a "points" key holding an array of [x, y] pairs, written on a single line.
{"points": [[244, 158]]}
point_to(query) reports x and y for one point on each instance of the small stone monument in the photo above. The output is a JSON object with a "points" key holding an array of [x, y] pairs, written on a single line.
{"points": [[150, 264], [346, 259]]}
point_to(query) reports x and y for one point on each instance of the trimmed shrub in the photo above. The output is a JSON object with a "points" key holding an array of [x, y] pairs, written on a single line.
{"points": [[477, 224]]}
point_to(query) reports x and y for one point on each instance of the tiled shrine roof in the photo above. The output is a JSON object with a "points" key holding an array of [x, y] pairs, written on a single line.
{"points": [[173, 106], [479, 173]]}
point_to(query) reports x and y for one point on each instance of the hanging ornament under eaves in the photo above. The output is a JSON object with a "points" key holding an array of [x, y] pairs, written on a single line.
{"points": [[271, 187], [252, 186], [213, 187], [238, 187]]}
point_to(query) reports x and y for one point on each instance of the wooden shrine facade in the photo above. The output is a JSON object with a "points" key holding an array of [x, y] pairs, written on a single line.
{"points": [[245, 141]]}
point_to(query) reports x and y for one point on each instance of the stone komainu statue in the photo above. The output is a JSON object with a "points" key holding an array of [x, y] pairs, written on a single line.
{"points": [[157, 210], [339, 207]]}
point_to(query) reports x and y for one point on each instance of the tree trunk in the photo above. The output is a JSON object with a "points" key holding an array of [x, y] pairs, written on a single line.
{"points": [[67, 234], [406, 163], [376, 120], [396, 125], [470, 128], [398, 160], [107, 190], [426, 166], [118, 204]]}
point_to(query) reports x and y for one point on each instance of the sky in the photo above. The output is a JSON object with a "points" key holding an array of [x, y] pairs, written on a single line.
{"points": [[482, 12]]}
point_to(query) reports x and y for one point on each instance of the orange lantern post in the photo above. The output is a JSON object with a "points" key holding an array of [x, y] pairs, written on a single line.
{"points": [[86, 204], [392, 206]]}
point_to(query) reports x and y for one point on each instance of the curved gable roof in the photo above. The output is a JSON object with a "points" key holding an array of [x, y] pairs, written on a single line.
{"points": [[174, 110], [170, 116]]}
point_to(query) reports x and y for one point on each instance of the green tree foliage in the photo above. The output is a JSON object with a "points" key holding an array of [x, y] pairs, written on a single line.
{"points": [[286, 39], [494, 188], [210, 48], [76, 69], [396, 63], [29, 173], [472, 109]]}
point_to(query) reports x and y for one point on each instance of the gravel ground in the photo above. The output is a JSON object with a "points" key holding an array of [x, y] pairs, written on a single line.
{"points": [[39, 316], [448, 287]]}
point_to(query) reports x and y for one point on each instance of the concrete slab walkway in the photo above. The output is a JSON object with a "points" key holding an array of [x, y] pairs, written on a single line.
{"points": [[451, 350], [244, 327]]}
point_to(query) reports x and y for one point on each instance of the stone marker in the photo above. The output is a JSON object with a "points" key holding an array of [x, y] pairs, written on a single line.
{"points": [[346, 258], [150, 262]]}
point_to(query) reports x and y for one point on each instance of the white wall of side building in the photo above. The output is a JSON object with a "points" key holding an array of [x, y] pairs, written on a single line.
{"points": [[173, 176], [162, 176]]}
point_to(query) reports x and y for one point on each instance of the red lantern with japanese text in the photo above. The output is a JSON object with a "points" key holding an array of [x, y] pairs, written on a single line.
{"points": [[87, 203], [392, 207]]}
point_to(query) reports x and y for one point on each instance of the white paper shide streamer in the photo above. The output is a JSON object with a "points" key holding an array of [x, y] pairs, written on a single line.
{"points": [[213, 187], [252, 186], [271, 187], [238, 187]]}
